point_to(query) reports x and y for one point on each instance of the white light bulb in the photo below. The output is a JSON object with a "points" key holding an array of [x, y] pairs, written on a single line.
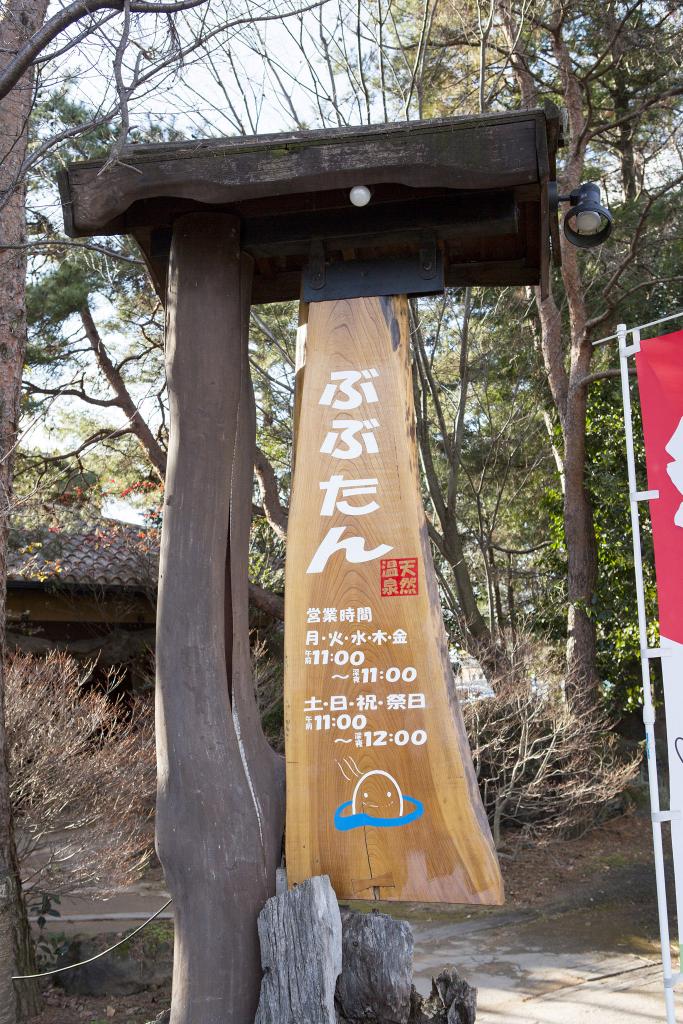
{"points": [[360, 195], [588, 222]]}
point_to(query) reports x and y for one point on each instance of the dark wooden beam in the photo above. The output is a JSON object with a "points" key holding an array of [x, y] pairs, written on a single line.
{"points": [[285, 286], [485, 152], [476, 184], [493, 272], [384, 224]]}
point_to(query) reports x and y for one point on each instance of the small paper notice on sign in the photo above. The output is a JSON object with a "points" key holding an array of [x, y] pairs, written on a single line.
{"points": [[398, 577]]}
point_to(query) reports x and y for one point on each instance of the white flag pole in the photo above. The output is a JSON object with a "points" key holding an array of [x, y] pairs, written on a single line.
{"points": [[646, 653]]}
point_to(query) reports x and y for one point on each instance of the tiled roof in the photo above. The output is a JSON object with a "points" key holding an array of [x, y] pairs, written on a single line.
{"points": [[104, 552]]}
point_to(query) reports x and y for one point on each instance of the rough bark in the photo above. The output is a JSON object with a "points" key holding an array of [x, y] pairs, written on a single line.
{"points": [[301, 954], [377, 984], [18, 20], [220, 792], [451, 1001], [567, 366], [579, 529], [570, 395], [267, 481]]}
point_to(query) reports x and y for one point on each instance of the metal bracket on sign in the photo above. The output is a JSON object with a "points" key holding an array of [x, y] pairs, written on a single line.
{"points": [[314, 273], [428, 259], [422, 274]]}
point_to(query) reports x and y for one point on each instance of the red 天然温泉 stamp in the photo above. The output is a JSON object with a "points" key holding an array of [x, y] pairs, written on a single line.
{"points": [[398, 577]]}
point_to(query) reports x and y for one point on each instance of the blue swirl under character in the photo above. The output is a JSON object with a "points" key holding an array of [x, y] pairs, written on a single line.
{"points": [[381, 803]]}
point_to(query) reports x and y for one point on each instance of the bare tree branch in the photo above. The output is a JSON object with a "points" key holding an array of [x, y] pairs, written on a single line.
{"points": [[272, 508], [138, 426], [68, 16], [602, 375]]}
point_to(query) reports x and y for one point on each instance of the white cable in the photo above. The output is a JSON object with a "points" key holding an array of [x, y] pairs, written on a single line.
{"points": [[82, 963]]}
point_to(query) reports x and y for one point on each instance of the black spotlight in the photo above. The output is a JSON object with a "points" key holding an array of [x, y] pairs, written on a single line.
{"points": [[587, 222]]}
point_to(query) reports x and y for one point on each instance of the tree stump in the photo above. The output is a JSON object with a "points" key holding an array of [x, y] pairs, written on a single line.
{"points": [[451, 1001], [301, 955], [308, 949], [377, 969]]}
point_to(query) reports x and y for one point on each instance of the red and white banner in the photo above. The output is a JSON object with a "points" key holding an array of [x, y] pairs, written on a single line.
{"points": [[659, 365]]}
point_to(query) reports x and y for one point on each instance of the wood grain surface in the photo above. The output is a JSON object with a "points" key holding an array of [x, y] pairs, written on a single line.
{"points": [[473, 152], [381, 793], [219, 793]]}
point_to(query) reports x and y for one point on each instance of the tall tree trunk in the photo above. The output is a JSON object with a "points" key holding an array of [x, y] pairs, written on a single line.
{"points": [[621, 95], [579, 528], [570, 397], [220, 790], [477, 636], [582, 556], [566, 366], [19, 19]]}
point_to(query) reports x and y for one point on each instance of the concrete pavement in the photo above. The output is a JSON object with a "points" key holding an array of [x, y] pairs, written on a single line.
{"points": [[557, 970], [592, 958]]}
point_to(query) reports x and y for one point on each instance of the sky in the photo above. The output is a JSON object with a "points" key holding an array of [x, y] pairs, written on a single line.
{"points": [[264, 77], [228, 88]]}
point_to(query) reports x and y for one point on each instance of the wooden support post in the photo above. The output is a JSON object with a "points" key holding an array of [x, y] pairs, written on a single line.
{"points": [[220, 787], [382, 794]]}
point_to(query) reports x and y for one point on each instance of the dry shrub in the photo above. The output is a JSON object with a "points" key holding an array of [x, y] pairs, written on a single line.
{"points": [[82, 773], [545, 768]]}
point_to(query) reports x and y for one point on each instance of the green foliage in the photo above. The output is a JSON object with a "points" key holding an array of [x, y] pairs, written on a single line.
{"points": [[50, 947], [508, 509]]}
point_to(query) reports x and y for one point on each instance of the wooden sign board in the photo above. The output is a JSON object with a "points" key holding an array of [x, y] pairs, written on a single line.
{"points": [[381, 793]]}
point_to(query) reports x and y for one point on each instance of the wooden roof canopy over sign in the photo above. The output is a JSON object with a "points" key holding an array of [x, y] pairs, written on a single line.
{"points": [[477, 186]]}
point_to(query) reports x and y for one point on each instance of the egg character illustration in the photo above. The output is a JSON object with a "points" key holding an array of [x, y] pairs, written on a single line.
{"points": [[378, 795], [378, 802]]}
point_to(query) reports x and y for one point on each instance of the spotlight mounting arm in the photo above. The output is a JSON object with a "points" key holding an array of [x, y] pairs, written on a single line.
{"points": [[584, 203]]}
